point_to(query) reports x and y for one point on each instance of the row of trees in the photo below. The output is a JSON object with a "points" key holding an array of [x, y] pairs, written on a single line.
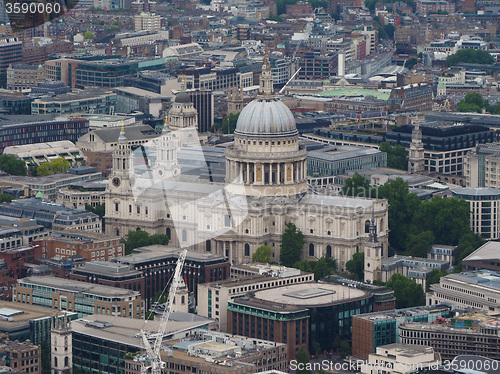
{"points": [[471, 56], [12, 165], [136, 239]]}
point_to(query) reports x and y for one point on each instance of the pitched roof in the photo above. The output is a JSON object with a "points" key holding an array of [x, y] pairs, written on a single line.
{"points": [[134, 132]]}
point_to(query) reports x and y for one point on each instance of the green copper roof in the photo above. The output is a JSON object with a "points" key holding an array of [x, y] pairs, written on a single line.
{"points": [[355, 92], [39, 195]]}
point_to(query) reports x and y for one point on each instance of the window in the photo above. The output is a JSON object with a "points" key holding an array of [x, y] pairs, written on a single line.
{"points": [[329, 251], [227, 220], [311, 249], [367, 226], [184, 235], [247, 249], [167, 232]]}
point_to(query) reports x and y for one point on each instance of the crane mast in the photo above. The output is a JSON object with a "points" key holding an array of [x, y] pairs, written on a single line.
{"points": [[153, 361]]}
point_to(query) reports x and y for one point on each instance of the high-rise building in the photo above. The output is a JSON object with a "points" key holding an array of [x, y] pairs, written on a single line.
{"points": [[416, 154], [203, 101]]}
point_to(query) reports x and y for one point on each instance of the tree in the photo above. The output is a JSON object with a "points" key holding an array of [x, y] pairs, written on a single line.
{"points": [[99, 209], [356, 266], [88, 35], [345, 349], [317, 349], [448, 219], [467, 244], [228, 124], [407, 293], [389, 30], [419, 244], [471, 56], [411, 62], [397, 157], [435, 276], [302, 361], [136, 239], [402, 205], [12, 165], [5, 198], [321, 268], [291, 245], [474, 102], [59, 165], [262, 254], [357, 185]]}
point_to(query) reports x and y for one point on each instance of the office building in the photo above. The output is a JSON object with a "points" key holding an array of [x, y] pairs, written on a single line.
{"points": [[10, 53], [79, 297], [105, 341], [15, 103], [485, 257], [21, 357], [338, 160], [80, 194], [52, 216], [300, 315], [400, 358], [22, 321], [130, 99], [484, 206], [316, 65], [23, 76], [215, 352], [373, 330], [90, 100], [113, 274], [16, 232], [411, 98], [442, 252], [214, 296], [50, 87], [482, 166], [18, 130], [416, 268], [90, 246], [476, 289], [36, 154], [49, 186], [203, 101], [465, 334]]}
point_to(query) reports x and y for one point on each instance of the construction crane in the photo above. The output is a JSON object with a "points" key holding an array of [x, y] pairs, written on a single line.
{"points": [[153, 363]]}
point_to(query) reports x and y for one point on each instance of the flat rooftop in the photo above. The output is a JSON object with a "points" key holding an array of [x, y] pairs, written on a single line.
{"points": [[307, 294], [486, 279], [74, 286], [127, 330], [403, 313], [107, 268], [157, 252], [20, 314], [488, 251]]}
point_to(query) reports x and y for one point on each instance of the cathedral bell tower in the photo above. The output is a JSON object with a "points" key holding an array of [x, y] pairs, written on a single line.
{"points": [[416, 154], [374, 253], [234, 100], [119, 189]]}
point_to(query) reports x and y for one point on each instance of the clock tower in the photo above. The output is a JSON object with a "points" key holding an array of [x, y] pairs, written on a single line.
{"points": [[119, 188]]}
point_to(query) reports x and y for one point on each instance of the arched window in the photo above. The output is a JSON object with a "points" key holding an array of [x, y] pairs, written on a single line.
{"points": [[329, 251], [183, 300], [117, 232], [66, 361], [311, 249], [168, 232], [138, 229], [55, 362], [184, 235], [208, 245], [247, 249], [367, 226]]}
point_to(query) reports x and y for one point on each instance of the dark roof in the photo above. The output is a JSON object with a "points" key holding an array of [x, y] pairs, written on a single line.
{"points": [[134, 132], [182, 97]]}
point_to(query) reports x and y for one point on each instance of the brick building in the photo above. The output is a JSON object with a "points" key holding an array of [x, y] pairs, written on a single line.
{"points": [[91, 246], [17, 258], [299, 9], [413, 97]]}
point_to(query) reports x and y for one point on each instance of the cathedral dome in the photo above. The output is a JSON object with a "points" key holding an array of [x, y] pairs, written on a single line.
{"points": [[183, 98], [266, 116]]}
